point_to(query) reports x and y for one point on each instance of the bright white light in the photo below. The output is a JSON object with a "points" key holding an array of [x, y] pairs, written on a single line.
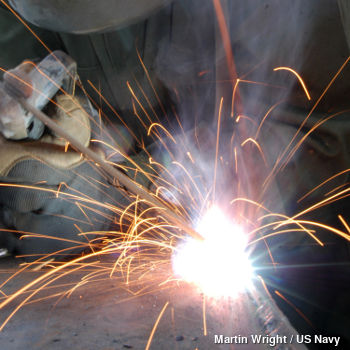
{"points": [[219, 265]]}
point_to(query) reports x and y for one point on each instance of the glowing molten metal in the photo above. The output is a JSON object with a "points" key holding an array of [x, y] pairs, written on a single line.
{"points": [[219, 265]]}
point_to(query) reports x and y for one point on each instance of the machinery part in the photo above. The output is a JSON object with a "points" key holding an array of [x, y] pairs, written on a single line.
{"points": [[84, 16], [37, 83]]}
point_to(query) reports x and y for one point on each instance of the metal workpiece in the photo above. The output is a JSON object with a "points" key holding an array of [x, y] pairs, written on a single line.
{"points": [[106, 316], [272, 321]]}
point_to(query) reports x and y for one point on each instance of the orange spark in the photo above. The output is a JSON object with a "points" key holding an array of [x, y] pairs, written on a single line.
{"points": [[190, 157], [205, 332], [226, 41], [59, 188], [156, 325], [305, 120], [299, 78], [344, 223], [233, 98], [323, 183], [217, 145], [294, 307], [163, 128], [258, 147], [150, 82], [113, 110]]}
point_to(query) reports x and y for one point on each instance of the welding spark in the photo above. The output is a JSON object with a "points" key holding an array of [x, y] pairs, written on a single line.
{"points": [[219, 265]]}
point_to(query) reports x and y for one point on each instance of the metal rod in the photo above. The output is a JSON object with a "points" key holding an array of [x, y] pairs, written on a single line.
{"points": [[115, 173]]}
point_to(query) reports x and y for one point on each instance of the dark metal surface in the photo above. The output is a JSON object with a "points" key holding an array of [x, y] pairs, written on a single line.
{"points": [[84, 16], [102, 315]]}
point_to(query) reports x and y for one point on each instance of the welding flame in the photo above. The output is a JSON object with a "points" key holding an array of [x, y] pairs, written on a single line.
{"points": [[219, 265]]}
